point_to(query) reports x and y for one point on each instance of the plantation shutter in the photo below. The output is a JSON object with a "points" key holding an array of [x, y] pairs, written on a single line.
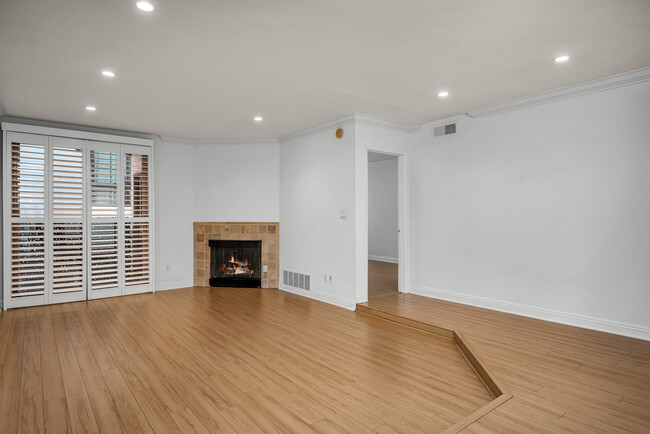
{"points": [[28, 198], [104, 204], [77, 215], [137, 219], [67, 221]]}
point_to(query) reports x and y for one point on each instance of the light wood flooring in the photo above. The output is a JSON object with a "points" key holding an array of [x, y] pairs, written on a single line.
{"points": [[382, 278], [232, 360], [564, 379]]}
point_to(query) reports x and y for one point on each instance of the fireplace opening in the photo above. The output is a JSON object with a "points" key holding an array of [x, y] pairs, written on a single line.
{"points": [[236, 263]]}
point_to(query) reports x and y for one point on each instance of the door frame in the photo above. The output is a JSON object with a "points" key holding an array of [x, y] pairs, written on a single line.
{"points": [[402, 221]]}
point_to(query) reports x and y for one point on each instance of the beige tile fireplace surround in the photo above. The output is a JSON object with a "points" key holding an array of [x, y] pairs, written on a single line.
{"points": [[267, 232]]}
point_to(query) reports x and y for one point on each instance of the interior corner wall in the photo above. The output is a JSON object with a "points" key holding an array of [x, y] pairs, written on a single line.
{"points": [[174, 203], [543, 211], [215, 182], [236, 182], [382, 210], [317, 182], [2, 189]]}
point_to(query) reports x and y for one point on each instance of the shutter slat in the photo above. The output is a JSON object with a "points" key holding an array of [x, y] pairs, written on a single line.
{"points": [[28, 259], [103, 183], [67, 243], [136, 185], [27, 180], [67, 185], [103, 253], [136, 252]]}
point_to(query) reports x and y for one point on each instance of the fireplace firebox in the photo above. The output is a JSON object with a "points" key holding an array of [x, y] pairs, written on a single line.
{"points": [[236, 263]]}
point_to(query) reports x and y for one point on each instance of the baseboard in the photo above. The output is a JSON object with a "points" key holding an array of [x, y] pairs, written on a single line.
{"points": [[321, 296], [165, 286], [618, 328], [382, 258]]}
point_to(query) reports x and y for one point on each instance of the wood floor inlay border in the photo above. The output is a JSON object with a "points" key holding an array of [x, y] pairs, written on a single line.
{"points": [[492, 385]]}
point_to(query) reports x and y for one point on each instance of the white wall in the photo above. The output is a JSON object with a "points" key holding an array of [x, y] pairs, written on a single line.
{"points": [[236, 182], [208, 182], [382, 210], [2, 190], [316, 182], [543, 211], [174, 202]]}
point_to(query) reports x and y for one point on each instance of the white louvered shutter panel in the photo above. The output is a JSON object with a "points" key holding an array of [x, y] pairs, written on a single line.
{"points": [[67, 219], [77, 215], [28, 198], [104, 192], [137, 221]]}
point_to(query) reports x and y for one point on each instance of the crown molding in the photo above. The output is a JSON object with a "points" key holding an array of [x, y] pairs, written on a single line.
{"points": [[336, 122], [382, 123], [625, 79], [219, 141], [355, 118]]}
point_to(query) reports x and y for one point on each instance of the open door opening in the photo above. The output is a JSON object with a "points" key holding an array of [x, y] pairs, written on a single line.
{"points": [[383, 224]]}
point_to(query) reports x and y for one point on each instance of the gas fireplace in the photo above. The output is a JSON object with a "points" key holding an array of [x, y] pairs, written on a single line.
{"points": [[236, 263]]}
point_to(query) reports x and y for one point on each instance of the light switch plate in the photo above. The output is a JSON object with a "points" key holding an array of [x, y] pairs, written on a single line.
{"points": [[265, 268], [344, 214]]}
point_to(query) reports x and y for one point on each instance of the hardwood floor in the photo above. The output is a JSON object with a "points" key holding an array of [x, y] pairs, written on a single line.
{"points": [[382, 278], [564, 379], [239, 360], [232, 360]]}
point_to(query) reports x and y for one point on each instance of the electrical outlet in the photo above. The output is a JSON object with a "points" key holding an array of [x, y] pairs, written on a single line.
{"points": [[330, 279]]}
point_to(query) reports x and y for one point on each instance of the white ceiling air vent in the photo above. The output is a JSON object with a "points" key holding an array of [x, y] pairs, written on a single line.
{"points": [[444, 130]]}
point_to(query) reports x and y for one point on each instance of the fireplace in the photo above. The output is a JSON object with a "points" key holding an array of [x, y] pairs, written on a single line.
{"points": [[236, 263]]}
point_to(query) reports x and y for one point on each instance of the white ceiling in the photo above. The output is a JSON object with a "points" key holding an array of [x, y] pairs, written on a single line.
{"points": [[201, 69]]}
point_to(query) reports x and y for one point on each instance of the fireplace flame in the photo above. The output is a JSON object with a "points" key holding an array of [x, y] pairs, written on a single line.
{"points": [[236, 267]]}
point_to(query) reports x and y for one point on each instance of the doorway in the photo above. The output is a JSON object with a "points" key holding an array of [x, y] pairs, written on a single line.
{"points": [[383, 224]]}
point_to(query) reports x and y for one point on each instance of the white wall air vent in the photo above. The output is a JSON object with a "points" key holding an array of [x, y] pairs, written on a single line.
{"points": [[444, 130], [296, 280]]}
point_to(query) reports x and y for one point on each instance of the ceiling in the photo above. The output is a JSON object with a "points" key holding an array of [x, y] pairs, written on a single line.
{"points": [[202, 69]]}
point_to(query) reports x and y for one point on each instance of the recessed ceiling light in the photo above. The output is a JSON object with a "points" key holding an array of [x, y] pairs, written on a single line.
{"points": [[144, 6], [561, 59], [258, 119], [91, 108], [443, 93], [108, 73]]}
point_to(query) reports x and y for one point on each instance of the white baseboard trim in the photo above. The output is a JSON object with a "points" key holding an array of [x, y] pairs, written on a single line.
{"points": [[321, 296], [619, 328], [165, 286], [382, 259]]}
